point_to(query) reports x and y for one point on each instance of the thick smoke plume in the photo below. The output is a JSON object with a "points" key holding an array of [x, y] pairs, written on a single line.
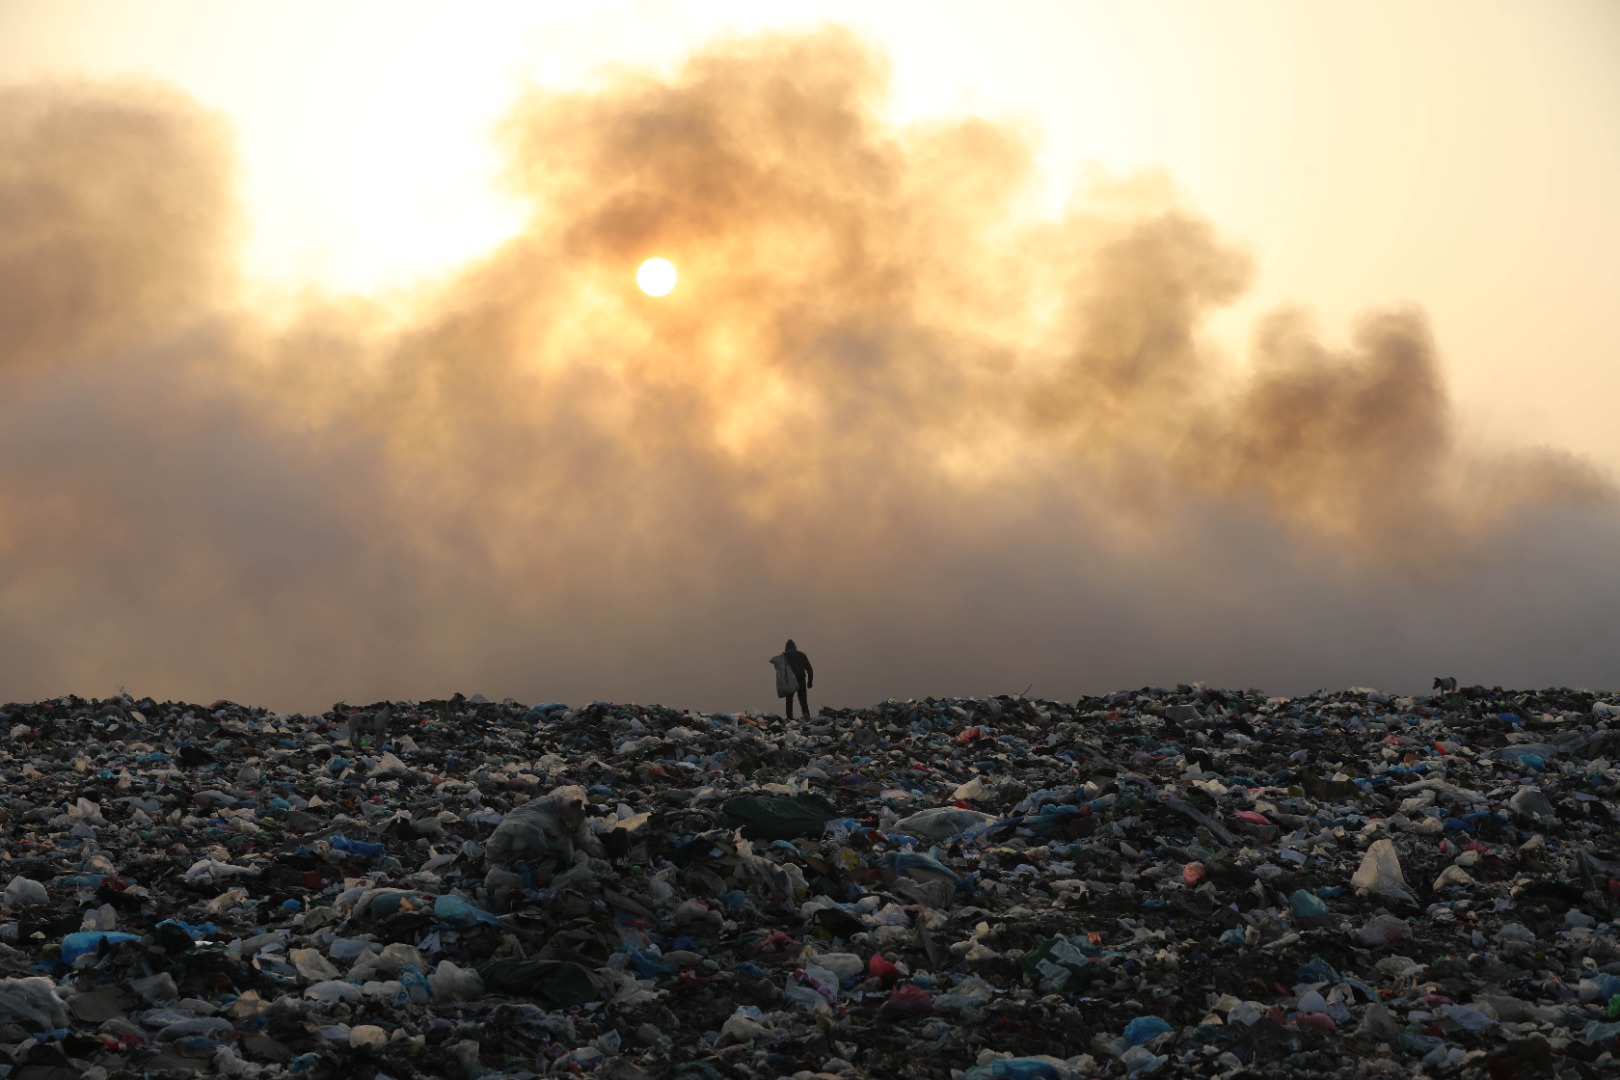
{"points": [[949, 446]]}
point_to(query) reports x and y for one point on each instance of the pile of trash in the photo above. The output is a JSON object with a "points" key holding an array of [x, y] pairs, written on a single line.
{"points": [[1170, 882]]}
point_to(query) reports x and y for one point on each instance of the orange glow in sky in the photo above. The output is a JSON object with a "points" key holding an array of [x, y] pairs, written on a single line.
{"points": [[1094, 341], [1458, 155]]}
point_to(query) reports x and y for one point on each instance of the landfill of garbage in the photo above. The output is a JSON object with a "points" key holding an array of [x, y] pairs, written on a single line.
{"points": [[1170, 882]]}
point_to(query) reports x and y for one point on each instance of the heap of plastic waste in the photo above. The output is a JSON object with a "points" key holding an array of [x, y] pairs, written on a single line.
{"points": [[1170, 882]]}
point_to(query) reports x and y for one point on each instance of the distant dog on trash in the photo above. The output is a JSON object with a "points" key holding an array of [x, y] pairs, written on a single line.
{"points": [[371, 720], [1446, 685]]}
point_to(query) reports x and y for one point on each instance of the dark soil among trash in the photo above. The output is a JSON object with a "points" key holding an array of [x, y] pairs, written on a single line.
{"points": [[1165, 882]]}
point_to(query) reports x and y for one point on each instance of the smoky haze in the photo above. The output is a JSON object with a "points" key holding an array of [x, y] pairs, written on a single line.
{"points": [[949, 445]]}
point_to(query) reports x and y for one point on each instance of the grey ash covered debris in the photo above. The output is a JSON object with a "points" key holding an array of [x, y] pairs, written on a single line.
{"points": [[1164, 882]]}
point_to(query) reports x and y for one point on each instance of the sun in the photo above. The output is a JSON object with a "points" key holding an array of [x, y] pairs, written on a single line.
{"points": [[656, 277]]}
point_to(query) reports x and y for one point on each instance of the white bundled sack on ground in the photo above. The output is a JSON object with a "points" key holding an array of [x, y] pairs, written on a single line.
{"points": [[1380, 872]]}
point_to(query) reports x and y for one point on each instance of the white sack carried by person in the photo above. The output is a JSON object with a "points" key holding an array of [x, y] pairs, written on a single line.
{"points": [[787, 683]]}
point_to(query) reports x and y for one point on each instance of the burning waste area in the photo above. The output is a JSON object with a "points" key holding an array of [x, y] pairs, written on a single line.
{"points": [[1166, 882]]}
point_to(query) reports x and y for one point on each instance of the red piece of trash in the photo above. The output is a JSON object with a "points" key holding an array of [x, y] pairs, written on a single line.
{"points": [[905, 1002]]}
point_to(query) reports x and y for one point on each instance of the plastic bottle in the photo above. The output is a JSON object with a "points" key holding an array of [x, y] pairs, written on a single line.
{"points": [[356, 847]]}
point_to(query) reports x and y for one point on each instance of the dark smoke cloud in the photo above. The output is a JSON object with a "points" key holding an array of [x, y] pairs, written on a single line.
{"points": [[115, 219], [949, 447]]}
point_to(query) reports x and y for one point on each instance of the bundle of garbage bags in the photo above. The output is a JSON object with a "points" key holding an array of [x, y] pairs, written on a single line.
{"points": [[1170, 881]]}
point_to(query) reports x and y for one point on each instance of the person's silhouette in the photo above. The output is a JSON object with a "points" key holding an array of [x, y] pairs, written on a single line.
{"points": [[803, 675]]}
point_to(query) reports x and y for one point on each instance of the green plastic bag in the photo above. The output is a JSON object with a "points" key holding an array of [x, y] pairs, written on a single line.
{"points": [[779, 817]]}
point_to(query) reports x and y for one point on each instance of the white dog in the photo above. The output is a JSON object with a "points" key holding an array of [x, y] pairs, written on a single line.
{"points": [[360, 722]]}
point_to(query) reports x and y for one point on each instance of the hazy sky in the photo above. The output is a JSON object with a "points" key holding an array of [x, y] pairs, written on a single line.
{"points": [[1097, 345]]}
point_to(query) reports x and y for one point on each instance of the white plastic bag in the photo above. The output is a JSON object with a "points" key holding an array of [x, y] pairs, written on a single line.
{"points": [[1380, 872], [787, 683]]}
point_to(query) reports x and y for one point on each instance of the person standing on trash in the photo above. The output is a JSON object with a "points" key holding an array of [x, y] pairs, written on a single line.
{"points": [[793, 675]]}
